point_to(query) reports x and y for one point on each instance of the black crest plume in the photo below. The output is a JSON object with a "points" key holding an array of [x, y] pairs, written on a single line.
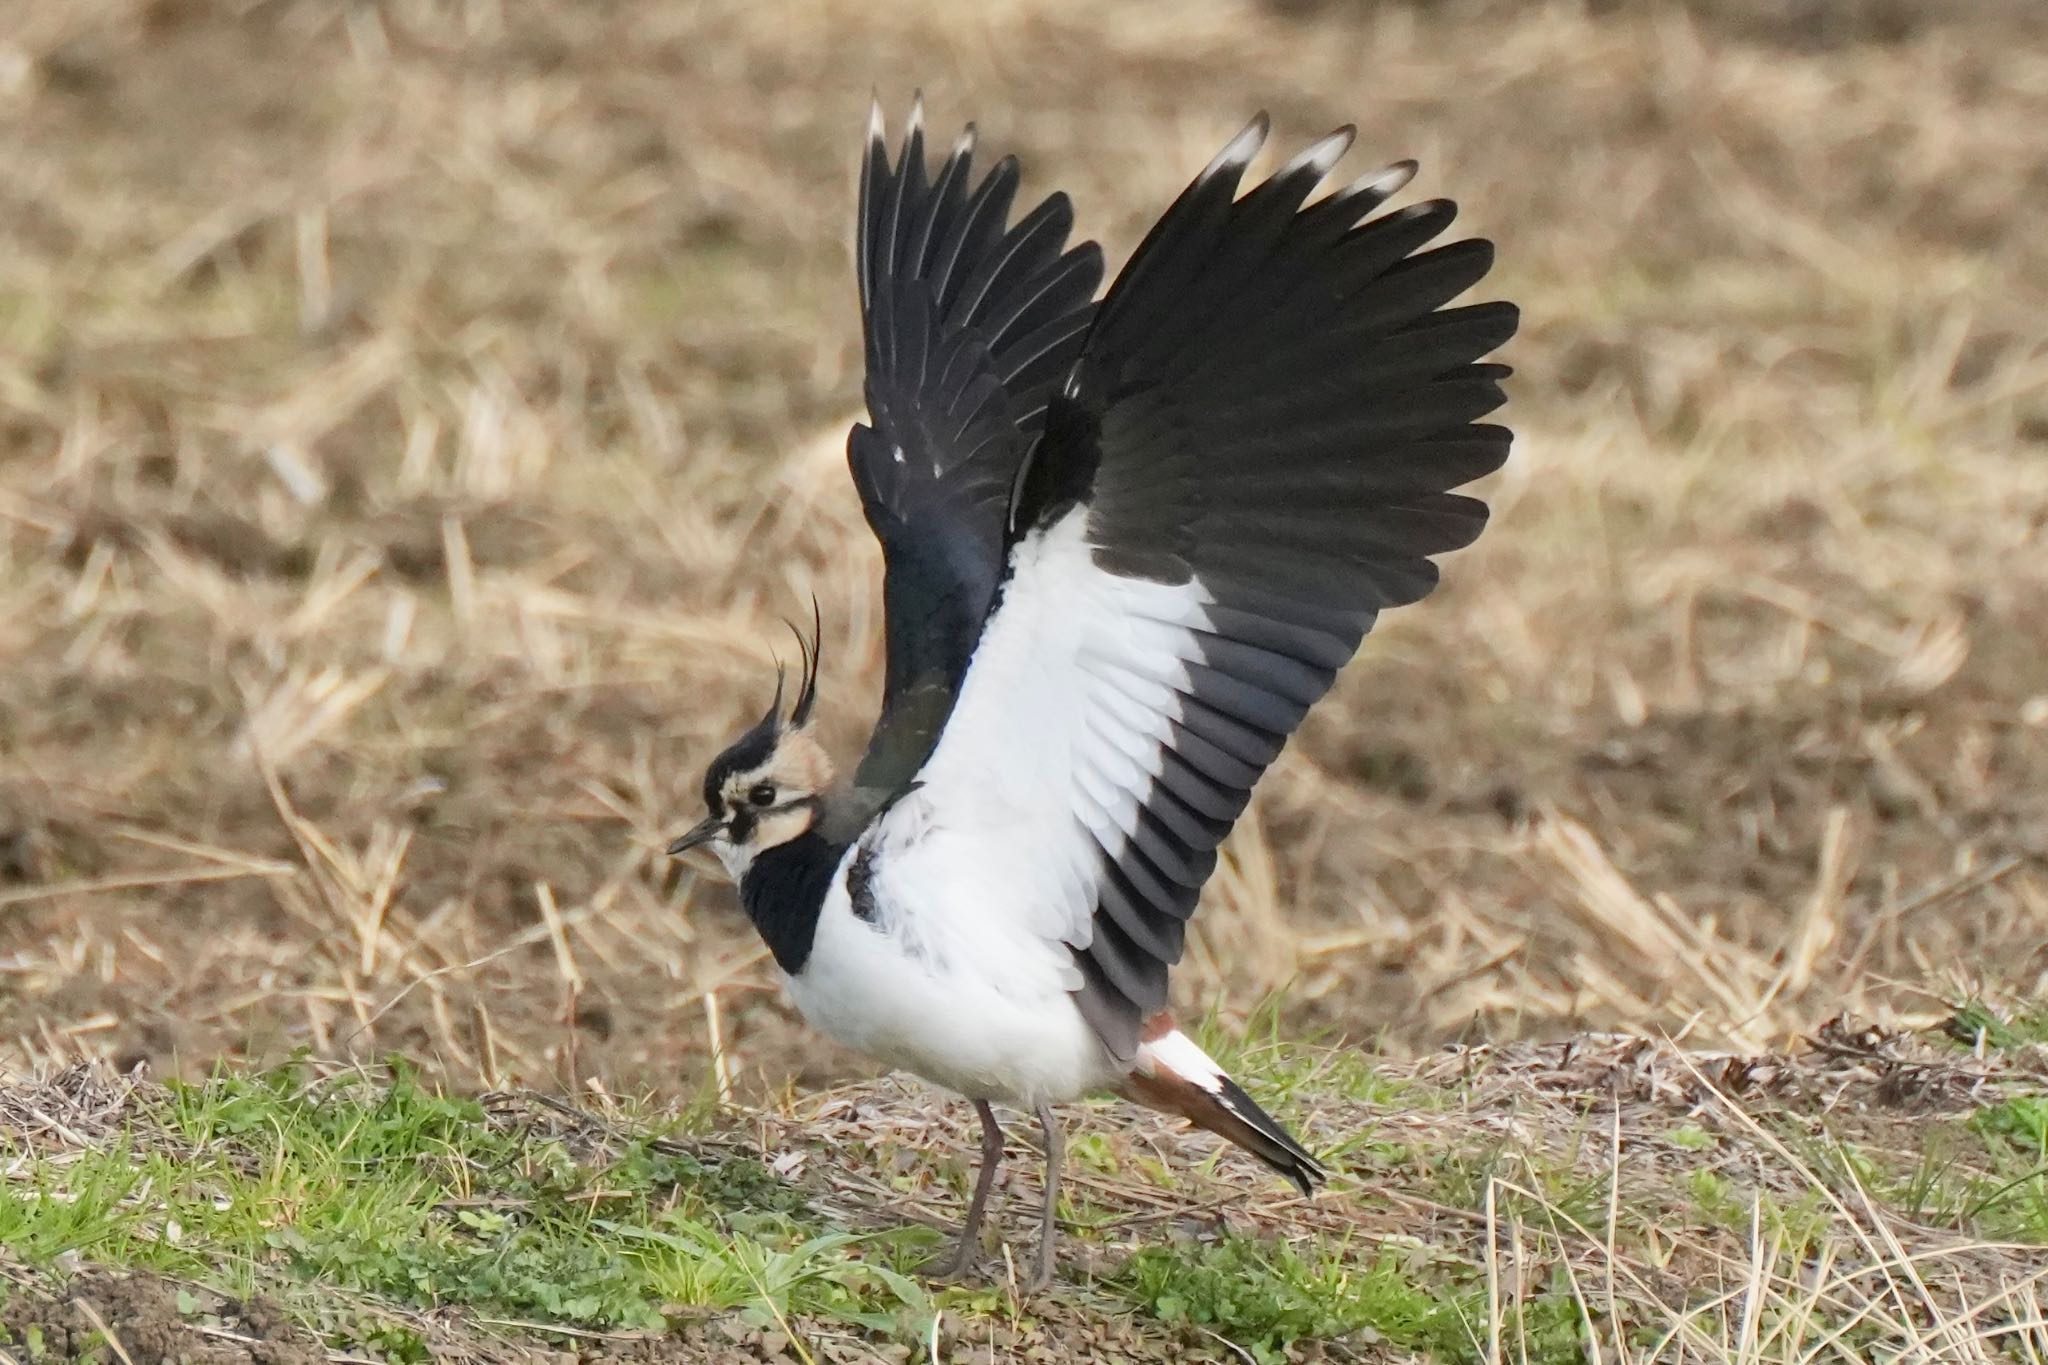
{"points": [[811, 650]]}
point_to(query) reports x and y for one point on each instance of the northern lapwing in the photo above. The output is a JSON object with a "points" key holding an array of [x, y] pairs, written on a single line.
{"points": [[1129, 541]]}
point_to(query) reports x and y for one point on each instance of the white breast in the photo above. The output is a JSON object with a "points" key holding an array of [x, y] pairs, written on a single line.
{"points": [[937, 990]]}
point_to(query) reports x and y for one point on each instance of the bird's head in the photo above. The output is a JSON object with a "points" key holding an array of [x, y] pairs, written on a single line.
{"points": [[764, 789]]}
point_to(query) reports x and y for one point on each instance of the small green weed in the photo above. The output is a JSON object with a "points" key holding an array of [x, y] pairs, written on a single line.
{"points": [[1691, 1137], [1975, 1023], [1264, 1298], [2021, 1121], [2012, 1200]]}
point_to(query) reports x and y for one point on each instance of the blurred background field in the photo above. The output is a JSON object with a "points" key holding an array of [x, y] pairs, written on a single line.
{"points": [[415, 417]]}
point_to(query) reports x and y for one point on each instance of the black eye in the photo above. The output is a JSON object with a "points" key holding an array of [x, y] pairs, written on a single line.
{"points": [[763, 794]]}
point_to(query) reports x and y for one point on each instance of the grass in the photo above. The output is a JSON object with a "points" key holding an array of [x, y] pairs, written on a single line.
{"points": [[1512, 1206], [1978, 1024], [1266, 1298], [385, 1188]]}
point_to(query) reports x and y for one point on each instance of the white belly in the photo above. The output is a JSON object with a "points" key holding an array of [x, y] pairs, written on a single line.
{"points": [[992, 1020]]}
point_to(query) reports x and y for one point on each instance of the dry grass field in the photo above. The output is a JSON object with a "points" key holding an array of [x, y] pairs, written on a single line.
{"points": [[415, 418]]}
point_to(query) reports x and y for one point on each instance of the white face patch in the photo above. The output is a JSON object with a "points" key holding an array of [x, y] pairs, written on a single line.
{"points": [[766, 829], [736, 860]]}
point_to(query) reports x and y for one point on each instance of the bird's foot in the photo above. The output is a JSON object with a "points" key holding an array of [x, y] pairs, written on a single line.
{"points": [[1041, 1278], [961, 1262], [954, 1265]]}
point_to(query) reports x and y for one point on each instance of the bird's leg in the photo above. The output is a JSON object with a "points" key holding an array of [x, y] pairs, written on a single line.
{"points": [[1048, 1233], [991, 1158]]}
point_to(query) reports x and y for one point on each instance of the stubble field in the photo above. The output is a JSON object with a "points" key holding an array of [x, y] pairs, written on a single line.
{"points": [[416, 417]]}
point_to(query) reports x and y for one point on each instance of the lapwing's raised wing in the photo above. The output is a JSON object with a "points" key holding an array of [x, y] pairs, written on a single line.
{"points": [[970, 322], [1100, 638], [1251, 459]]}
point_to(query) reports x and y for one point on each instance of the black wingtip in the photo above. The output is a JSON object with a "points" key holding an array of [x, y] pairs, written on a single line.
{"points": [[1320, 156], [1237, 153], [1397, 174]]}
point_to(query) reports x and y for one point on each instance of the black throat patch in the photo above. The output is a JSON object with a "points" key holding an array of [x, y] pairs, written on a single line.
{"points": [[784, 892]]}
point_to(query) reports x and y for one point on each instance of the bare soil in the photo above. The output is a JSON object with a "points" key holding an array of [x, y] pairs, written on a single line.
{"points": [[142, 1313]]}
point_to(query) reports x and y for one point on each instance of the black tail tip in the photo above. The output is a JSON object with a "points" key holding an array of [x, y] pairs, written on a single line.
{"points": [[1304, 1171], [1270, 1142]]}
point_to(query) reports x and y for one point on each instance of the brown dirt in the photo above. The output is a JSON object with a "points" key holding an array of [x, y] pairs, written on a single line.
{"points": [[439, 405], [136, 1319], [1048, 1337]]}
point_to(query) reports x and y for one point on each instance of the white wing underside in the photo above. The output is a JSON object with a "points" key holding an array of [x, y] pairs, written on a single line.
{"points": [[1051, 747]]}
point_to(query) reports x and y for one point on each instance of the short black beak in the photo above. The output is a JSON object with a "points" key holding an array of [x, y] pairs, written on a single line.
{"points": [[702, 833]]}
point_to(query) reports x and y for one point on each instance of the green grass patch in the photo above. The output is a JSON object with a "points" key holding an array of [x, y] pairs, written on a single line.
{"points": [[1461, 1214], [1976, 1023], [1690, 1137], [1265, 1298], [1276, 1066], [2020, 1122], [2011, 1200], [390, 1188]]}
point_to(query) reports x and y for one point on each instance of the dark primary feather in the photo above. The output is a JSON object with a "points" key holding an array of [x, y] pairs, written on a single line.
{"points": [[1273, 400], [969, 322]]}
